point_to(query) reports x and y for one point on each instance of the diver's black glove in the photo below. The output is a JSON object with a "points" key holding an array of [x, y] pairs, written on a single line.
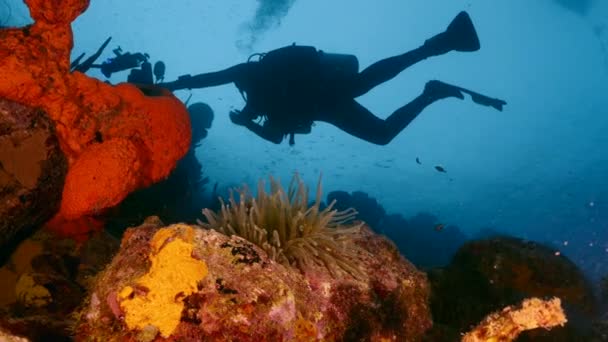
{"points": [[238, 118]]}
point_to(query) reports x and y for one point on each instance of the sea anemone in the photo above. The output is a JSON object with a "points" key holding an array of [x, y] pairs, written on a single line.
{"points": [[288, 229]]}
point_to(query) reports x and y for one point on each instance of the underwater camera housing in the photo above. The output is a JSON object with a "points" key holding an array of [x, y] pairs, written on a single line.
{"points": [[122, 62]]}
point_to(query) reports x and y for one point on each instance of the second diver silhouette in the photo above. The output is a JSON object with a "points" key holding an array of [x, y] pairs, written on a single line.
{"points": [[289, 88]]}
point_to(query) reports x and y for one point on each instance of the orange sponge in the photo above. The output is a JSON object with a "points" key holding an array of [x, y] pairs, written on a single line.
{"points": [[116, 138], [100, 177], [56, 11]]}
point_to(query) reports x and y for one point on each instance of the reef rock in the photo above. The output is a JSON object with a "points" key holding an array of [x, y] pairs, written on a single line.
{"points": [[186, 283], [32, 169], [487, 275], [45, 280]]}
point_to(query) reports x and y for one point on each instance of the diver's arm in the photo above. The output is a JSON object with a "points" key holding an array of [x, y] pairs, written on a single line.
{"points": [[210, 79], [246, 117]]}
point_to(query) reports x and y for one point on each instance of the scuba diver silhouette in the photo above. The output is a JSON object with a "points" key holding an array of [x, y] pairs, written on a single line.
{"points": [[289, 88]]}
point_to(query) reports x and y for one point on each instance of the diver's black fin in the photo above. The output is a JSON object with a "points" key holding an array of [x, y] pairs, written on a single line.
{"points": [[461, 33], [484, 100], [488, 101], [459, 36]]}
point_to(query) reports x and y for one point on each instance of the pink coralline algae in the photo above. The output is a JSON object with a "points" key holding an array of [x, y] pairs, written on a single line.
{"points": [[244, 295]]}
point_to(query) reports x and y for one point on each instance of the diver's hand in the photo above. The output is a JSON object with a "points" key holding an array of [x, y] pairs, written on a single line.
{"points": [[238, 118]]}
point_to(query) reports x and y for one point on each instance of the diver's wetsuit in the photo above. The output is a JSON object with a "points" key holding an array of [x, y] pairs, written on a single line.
{"points": [[293, 92], [296, 85]]}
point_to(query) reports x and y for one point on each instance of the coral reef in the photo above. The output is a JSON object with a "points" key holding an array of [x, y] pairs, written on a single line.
{"points": [[489, 274], [288, 229], [32, 171], [116, 138], [235, 291], [45, 281], [173, 274], [507, 324], [422, 239], [179, 197], [8, 337], [30, 293], [368, 208]]}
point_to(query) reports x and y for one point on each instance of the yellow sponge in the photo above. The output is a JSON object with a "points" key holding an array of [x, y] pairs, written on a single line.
{"points": [[173, 275]]}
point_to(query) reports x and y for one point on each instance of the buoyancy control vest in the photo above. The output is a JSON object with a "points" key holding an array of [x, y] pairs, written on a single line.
{"points": [[287, 88], [295, 80]]}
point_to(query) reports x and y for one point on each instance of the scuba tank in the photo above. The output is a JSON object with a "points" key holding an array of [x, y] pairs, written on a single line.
{"points": [[291, 87], [338, 67], [296, 78]]}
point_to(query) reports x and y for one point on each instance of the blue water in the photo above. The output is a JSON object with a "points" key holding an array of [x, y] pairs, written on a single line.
{"points": [[537, 170]]}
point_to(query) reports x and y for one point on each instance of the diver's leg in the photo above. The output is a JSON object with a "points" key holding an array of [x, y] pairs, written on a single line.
{"points": [[386, 69], [353, 118], [356, 120], [459, 36]]}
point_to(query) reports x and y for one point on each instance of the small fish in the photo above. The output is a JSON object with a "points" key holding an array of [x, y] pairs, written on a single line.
{"points": [[440, 168], [418, 161], [439, 227]]}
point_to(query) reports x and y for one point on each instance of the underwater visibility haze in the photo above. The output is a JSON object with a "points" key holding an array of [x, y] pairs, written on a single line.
{"points": [[537, 169]]}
